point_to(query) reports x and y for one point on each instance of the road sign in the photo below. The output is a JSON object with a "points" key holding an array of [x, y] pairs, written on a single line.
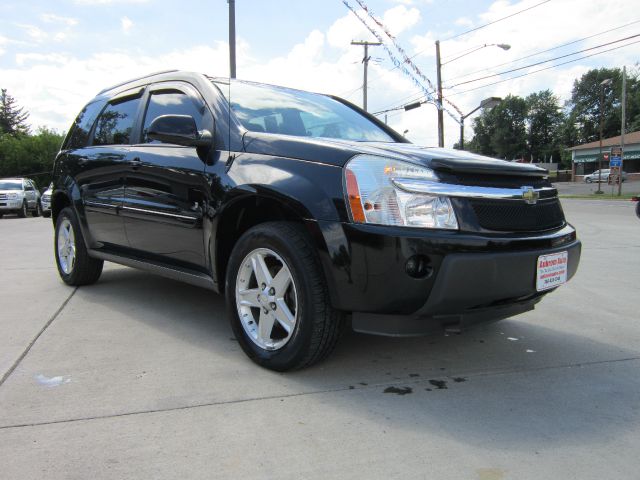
{"points": [[615, 162]]}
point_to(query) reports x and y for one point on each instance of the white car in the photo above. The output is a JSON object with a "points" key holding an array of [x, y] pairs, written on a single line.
{"points": [[46, 201], [593, 177], [19, 195]]}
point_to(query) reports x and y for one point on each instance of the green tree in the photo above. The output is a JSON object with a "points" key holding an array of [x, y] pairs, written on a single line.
{"points": [[544, 122], [13, 120], [502, 131]]}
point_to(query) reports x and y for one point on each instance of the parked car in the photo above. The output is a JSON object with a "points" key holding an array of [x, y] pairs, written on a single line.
{"points": [[593, 177], [19, 195], [305, 211], [46, 201]]}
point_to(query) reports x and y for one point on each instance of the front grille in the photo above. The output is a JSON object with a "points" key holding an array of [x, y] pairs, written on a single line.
{"points": [[46, 198], [518, 216], [3, 196]]}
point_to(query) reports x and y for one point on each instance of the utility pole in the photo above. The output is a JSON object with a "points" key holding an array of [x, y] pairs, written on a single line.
{"points": [[624, 104], [365, 61], [232, 38], [439, 87]]}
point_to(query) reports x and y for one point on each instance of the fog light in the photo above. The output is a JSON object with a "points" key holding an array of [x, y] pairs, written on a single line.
{"points": [[419, 266]]}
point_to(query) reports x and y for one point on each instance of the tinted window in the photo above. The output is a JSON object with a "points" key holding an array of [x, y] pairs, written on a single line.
{"points": [[115, 123], [295, 112], [172, 102], [10, 186], [79, 136]]}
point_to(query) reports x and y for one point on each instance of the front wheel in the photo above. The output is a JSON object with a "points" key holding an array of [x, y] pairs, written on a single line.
{"points": [[75, 266], [588, 180], [277, 298], [638, 209], [22, 213]]}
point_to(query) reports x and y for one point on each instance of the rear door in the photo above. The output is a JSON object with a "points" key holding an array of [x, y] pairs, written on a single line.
{"points": [[102, 169], [166, 184]]}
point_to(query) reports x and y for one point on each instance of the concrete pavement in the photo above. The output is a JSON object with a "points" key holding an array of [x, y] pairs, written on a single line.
{"points": [[140, 377]]}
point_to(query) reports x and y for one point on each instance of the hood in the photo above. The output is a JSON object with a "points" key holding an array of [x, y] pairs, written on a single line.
{"points": [[338, 152]]}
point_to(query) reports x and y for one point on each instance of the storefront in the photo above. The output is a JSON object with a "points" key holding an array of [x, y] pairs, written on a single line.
{"points": [[585, 159]]}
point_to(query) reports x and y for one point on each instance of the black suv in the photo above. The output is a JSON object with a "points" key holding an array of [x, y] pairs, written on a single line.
{"points": [[303, 209]]}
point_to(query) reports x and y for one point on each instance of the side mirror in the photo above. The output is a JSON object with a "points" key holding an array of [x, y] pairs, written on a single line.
{"points": [[180, 130]]}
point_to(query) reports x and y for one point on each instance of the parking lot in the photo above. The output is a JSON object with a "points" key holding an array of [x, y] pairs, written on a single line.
{"points": [[138, 376]]}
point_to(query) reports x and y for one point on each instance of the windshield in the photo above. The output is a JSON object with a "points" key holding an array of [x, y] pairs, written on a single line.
{"points": [[266, 108], [10, 185]]}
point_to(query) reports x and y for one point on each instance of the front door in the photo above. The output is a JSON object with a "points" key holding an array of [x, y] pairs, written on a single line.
{"points": [[166, 184]]}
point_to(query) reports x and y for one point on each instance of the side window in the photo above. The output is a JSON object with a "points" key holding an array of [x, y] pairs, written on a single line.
{"points": [[172, 102], [79, 134], [115, 123]]}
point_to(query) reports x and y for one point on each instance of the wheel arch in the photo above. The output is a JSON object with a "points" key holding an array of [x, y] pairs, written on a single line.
{"points": [[254, 208]]}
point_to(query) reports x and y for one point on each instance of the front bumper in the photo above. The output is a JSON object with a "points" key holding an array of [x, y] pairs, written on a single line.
{"points": [[470, 277], [10, 205]]}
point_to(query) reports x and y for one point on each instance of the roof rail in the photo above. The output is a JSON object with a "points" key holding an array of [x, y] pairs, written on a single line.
{"points": [[135, 79]]}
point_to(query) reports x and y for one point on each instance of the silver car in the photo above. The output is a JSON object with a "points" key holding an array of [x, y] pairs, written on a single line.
{"points": [[19, 195], [593, 177], [46, 201]]}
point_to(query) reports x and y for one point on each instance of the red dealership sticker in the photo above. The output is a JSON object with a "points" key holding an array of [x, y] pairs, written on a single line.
{"points": [[551, 270]]}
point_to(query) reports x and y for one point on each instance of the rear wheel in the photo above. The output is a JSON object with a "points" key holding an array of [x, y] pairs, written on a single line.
{"points": [[74, 264], [38, 211], [277, 298]]}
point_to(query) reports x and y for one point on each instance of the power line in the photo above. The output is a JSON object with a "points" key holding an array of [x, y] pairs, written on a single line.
{"points": [[496, 21], [542, 69], [544, 61], [544, 51]]}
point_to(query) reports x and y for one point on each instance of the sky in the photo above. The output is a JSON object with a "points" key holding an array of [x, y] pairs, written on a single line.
{"points": [[56, 55]]}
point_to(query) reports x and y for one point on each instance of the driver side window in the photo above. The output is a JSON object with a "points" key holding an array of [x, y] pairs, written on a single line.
{"points": [[173, 102]]}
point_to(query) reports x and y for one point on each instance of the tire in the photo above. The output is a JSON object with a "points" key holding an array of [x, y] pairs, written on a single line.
{"points": [[46, 214], [75, 266], [22, 213], [1, 215], [314, 327], [588, 180], [638, 209], [38, 211]]}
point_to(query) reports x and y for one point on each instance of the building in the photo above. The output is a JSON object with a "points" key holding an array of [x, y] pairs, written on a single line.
{"points": [[584, 158]]}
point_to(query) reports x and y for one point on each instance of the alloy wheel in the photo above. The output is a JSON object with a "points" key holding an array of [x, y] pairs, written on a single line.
{"points": [[66, 246], [266, 299]]}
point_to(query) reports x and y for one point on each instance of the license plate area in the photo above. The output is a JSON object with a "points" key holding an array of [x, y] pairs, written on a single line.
{"points": [[551, 270]]}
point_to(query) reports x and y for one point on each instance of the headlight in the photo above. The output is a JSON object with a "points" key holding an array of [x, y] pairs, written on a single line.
{"points": [[374, 197], [13, 196]]}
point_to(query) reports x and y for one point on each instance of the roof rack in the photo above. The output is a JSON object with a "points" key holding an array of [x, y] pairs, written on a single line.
{"points": [[135, 79]]}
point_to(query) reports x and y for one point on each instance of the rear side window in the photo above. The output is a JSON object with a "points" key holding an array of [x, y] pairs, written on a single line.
{"points": [[171, 102], [79, 134], [115, 123]]}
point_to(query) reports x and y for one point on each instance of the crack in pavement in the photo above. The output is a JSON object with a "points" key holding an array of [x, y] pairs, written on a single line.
{"points": [[35, 339], [315, 392]]}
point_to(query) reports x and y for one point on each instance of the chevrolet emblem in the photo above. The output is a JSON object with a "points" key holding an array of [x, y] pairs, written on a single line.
{"points": [[529, 195]]}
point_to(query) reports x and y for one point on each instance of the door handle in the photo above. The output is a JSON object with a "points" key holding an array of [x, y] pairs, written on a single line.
{"points": [[136, 163]]}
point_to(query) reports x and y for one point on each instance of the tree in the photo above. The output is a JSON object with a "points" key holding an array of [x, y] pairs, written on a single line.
{"points": [[544, 120], [501, 132], [12, 119]]}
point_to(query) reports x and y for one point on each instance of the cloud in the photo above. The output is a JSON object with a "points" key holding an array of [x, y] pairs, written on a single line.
{"points": [[36, 33], [53, 18], [126, 23]]}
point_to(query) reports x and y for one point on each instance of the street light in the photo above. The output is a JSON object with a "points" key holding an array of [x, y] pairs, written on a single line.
{"points": [[439, 64], [486, 103], [604, 83]]}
